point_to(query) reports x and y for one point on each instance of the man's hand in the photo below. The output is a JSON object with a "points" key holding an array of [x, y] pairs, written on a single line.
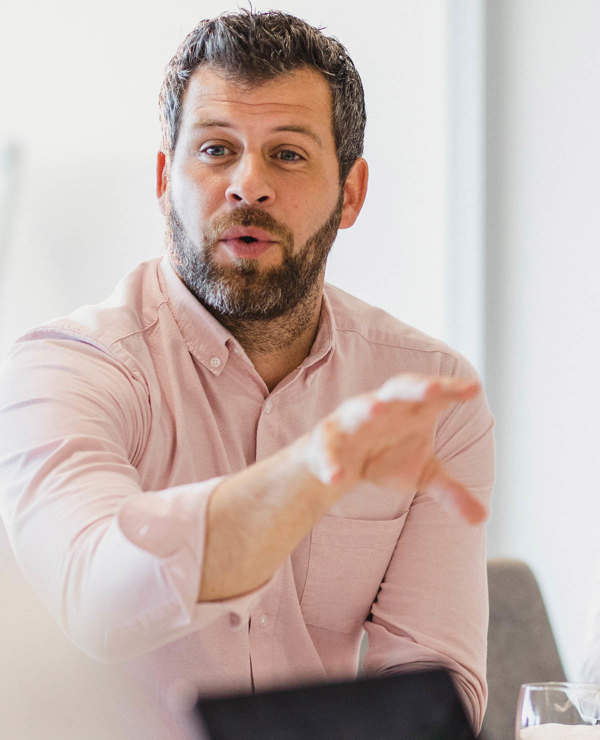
{"points": [[386, 437], [256, 517]]}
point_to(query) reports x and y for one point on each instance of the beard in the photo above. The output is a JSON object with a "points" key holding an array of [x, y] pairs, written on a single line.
{"points": [[243, 291]]}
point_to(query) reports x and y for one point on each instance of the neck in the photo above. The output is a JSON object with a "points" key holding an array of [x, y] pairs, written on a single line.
{"points": [[277, 346]]}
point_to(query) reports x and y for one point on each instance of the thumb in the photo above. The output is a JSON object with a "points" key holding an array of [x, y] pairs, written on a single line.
{"points": [[451, 494]]}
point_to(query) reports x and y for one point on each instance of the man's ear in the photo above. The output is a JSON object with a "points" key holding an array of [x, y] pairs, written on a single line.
{"points": [[162, 176], [355, 192]]}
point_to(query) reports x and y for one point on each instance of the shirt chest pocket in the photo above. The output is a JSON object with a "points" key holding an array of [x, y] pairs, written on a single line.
{"points": [[347, 562]]}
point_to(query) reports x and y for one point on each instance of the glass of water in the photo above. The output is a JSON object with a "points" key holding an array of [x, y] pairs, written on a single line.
{"points": [[558, 711]]}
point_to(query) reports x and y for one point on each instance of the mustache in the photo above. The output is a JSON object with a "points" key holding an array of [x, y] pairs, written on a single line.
{"points": [[248, 216]]}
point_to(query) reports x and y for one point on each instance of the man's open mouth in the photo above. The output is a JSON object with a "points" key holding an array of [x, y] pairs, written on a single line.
{"points": [[247, 235]]}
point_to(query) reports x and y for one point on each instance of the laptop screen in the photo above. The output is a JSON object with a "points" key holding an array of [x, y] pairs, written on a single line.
{"points": [[406, 706]]}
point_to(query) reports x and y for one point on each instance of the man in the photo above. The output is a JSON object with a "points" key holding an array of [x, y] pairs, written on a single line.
{"points": [[226, 470]]}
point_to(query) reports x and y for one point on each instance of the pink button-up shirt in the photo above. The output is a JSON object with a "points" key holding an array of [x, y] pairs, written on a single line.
{"points": [[116, 424]]}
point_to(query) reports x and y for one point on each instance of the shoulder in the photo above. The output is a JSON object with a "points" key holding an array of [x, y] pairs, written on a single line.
{"points": [[384, 336], [129, 311]]}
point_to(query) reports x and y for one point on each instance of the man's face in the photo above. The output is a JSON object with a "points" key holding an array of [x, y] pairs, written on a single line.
{"points": [[253, 201]]}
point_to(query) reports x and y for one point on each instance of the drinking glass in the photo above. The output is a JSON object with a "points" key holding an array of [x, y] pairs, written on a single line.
{"points": [[558, 711]]}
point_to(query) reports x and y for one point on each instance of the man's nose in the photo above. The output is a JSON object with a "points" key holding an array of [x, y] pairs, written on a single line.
{"points": [[249, 182]]}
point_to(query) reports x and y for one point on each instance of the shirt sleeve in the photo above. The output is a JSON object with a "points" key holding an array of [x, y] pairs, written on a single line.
{"points": [[118, 567], [432, 607]]}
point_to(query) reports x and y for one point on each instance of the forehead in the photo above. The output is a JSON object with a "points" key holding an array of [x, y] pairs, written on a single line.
{"points": [[300, 96]]}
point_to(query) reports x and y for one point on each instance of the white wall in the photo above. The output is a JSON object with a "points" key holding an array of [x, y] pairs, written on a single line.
{"points": [[543, 296], [79, 89], [465, 202]]}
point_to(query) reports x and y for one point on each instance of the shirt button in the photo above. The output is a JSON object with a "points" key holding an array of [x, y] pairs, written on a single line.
{"points": [[262, 620], [235, 621], [268, 407], [215, 362]]}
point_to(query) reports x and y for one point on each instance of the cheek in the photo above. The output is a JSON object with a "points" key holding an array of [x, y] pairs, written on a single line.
{"points": [[194, 200], [307, 203], [310, 213]]}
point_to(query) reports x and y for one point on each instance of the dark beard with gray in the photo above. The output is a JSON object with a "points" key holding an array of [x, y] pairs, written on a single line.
{"points": [[243, 292]]}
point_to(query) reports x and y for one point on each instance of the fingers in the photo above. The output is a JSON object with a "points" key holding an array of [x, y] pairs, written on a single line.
{"points": [[420, 389], [404, 388], [452, 495], [345, 447], [452, 389], [422, 392]]}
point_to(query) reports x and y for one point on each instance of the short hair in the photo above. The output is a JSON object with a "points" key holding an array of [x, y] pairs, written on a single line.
{"points": [[251, 48]]}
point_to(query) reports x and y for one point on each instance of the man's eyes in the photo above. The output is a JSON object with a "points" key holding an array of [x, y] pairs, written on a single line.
{"points": [[218, 151]]}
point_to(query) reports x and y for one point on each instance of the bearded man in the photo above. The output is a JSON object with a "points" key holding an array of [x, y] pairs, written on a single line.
{"points": [[229, 471]]}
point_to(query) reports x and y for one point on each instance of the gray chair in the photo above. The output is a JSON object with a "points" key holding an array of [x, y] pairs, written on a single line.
{"points": [[521, 646]]}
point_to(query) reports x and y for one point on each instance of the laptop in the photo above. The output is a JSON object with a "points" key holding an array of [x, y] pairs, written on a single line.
{"points": [[422, 705]]}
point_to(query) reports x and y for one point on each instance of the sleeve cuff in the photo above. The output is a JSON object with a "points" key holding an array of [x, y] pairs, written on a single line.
{"points": [[158, 542]]}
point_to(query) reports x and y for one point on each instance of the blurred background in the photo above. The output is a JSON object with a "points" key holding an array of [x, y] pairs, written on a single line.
{"points": [[481, 227]]}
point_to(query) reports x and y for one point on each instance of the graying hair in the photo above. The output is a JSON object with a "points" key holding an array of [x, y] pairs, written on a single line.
{"points": [[251, 48]]}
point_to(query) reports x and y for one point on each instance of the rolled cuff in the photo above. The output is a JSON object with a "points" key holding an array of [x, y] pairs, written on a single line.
{"points": [[140, 589]]}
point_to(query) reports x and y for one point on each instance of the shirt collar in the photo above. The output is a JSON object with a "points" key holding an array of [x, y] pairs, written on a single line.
{"points": [[324, 342], [209, 341], [206, 339]]}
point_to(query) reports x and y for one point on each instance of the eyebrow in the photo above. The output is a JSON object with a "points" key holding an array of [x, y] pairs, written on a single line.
{"points": [[291, 127]]}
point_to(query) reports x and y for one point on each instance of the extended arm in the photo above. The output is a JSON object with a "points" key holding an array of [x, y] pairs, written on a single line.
{"points": [[113, 562], [257, 517]]}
